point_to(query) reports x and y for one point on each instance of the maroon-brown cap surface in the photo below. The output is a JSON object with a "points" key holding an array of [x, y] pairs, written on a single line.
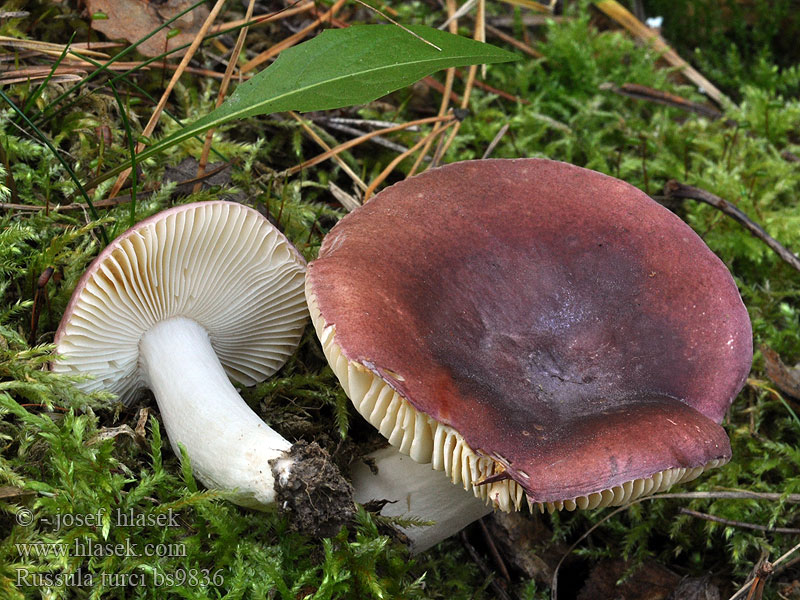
{"points": [[542, 321]]}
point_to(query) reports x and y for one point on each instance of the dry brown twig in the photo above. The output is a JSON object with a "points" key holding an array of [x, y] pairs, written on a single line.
{"points": [[360, 140], [618, 13], [440, 87], [755, 580], [345, 167], [292, 39], [514, 42], [151, 124], [223, 91], [500, 593], [496, 556], [727, 495], [739, 524], [493, 90], [675, 189], [642, 92], [429, 80]]}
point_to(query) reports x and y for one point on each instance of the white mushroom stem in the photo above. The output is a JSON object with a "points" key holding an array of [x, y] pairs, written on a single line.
{"points": [[228, 444], [416, 490]]}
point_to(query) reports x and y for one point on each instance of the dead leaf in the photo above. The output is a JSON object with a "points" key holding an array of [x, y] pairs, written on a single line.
{"points": [[787, 380], [107, 433], [134, 19], [140, 435], [185, 175]]}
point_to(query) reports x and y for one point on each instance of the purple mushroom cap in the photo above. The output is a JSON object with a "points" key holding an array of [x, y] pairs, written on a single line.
{"points": [[575, 333]]}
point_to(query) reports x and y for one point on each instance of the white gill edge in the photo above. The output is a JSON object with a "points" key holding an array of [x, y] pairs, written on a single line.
{"points": [[428, 441]]}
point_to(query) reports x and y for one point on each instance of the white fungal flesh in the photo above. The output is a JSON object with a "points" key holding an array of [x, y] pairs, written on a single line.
{"points": [[229, 446], [415, 490], [207, 291], [428, 441]]}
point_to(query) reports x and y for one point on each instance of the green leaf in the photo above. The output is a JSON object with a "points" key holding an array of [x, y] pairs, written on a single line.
{"points": [[343, 67]]}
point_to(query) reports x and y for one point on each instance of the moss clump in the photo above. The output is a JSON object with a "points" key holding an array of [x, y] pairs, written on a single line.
{"points": [[64, 452]]}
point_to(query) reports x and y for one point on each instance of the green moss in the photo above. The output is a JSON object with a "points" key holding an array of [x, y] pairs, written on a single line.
{"points": [[733, 42], [59, 449]]}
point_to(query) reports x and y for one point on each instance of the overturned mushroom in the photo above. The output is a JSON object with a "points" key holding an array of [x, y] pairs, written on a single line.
{"points": [[543, 333], [179, 303]]}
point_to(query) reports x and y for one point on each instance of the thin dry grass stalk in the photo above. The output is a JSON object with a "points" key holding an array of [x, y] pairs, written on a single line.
{"points": [[34, 73], [263, 19], [398, 159], [313, 134], [223, 91], [535, 6], [618, 13], [400, 25], [348, 201], [360, 140], [446, 92], [292, 39], [151, 124], [480, 32], [496, 140], [50, 49]]}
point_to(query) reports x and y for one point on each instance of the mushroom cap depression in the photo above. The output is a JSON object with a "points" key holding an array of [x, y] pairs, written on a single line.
{"points": [[545, 326], [219, 263]]}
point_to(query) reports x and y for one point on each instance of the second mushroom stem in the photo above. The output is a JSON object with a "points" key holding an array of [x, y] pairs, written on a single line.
{"points": [[230, 447]]}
